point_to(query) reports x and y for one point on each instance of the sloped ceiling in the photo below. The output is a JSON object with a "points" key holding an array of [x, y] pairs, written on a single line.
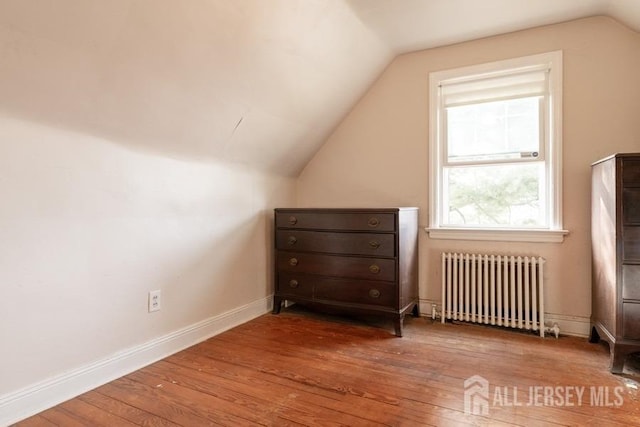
{"points": [[408, 25], [258, 82]]}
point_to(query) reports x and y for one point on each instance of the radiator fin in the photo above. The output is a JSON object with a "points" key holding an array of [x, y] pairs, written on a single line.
{"points": [[502, 290]]}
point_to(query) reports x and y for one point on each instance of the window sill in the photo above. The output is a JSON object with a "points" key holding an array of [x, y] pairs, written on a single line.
{"points": [[501, 235]]}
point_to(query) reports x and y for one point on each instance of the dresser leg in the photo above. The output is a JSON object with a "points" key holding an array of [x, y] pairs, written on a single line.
{"points": [[617, 360], [398, 323], [277, 305], [619, 353]]}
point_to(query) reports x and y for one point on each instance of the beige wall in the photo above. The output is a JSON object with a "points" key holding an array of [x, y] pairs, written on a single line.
{"points": [[378, 156], [88, 228]]}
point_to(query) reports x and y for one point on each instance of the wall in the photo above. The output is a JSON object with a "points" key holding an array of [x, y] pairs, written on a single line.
{"points": [[88, 228], [143, 145], [378, 156]]}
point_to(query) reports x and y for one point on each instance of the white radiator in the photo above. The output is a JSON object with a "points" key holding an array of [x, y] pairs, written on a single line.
{"points": [[494, 289]]}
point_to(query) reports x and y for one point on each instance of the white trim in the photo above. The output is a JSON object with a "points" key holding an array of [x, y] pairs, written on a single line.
{"points": [[578, 326], [435, 179], [491, 69], [33, 399], [555, 133], [498, 235], [555, 232]]}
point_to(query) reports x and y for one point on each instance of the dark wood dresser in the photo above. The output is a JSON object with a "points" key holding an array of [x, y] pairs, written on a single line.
{"points": [[615, 241], [355, 260]]}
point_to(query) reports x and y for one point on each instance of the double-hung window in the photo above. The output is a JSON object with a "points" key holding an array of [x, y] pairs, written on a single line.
{"points": [[495, 147]]}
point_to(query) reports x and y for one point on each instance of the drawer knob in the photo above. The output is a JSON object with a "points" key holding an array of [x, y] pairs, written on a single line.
{"points": [[293, 220], [293, 261], [374, 293], [374, 244], [373, 222], [374, 269], [293, 283], [292, 240]]}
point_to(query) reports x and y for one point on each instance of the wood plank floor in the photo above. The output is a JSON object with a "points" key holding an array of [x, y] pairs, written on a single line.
{"points": [[301, 368]]}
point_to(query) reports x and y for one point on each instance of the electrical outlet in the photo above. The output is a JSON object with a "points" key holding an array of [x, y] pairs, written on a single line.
{"points": [[154, 300]]}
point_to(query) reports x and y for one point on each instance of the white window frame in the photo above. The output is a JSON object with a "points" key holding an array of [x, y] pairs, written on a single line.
{"points": [[552, 141]]}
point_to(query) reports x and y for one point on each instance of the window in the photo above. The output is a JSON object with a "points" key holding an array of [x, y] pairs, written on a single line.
{"points": [[495, 147]]}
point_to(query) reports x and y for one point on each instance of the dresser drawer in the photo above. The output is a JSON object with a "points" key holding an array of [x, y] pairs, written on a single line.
{"points": [[367, 292], [293, 284], [631, 320], [331, 265], [338, 243], [631, 206], [354, 221], [631, 243], [335, 289], [631, 172], [631, 281]]}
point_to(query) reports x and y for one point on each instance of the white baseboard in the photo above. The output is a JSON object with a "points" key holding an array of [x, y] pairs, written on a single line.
{"points": [[578, 326], [31, 400], [426, 307]]}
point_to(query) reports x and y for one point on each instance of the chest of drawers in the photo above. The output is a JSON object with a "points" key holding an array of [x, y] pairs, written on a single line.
{"points": [[615, 236], [354, 260]]}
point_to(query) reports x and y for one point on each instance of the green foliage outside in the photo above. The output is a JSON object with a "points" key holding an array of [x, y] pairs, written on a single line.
{"points": [[505, 195]]}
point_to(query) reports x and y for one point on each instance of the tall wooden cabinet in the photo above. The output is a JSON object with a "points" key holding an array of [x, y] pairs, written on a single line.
{"points": [[354, 260], [615, 241]]}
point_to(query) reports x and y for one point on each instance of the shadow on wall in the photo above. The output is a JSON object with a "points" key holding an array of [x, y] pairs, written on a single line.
{"points": [[234, 269]]}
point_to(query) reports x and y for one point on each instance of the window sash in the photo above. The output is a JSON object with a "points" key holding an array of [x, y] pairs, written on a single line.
{"points": [[525, 156], [542, 218]]}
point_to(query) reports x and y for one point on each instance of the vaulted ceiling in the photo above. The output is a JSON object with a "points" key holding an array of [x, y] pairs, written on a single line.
{"points": [[258, 82]]}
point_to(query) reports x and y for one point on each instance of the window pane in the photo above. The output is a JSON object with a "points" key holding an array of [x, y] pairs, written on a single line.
{"points": [[495, 196], [493, 130]]}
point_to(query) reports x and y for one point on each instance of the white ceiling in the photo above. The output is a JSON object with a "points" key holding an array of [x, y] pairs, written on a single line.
{"points": [[259, 82], [408, 25]]}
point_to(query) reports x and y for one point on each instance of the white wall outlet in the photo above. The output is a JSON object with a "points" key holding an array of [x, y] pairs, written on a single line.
{"points": [[154, 300]]}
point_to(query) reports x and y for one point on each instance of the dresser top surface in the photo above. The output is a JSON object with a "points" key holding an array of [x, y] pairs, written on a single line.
{"points": [[345, 210], [617, 156]]}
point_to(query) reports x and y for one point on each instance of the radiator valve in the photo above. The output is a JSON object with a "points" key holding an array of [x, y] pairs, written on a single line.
{"points": [[555, 329]]}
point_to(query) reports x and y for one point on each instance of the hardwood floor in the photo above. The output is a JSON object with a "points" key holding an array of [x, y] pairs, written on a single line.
{"points": [[301, 368]]}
